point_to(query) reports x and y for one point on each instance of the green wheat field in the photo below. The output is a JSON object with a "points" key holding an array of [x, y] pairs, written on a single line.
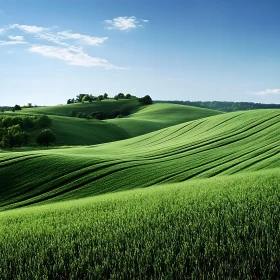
{"points": [[168, 192]]}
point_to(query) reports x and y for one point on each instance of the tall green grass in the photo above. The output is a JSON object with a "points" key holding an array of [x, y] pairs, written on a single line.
{"points": [[221, 228]]}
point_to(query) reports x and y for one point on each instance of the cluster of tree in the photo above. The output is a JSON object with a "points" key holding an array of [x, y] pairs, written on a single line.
{"points": [[90, 98], [125, 110], [45, 137], [122, 96], [13, 136], [14, 130], [146, 100], [225, 106], [5, 108], [25, 122]]}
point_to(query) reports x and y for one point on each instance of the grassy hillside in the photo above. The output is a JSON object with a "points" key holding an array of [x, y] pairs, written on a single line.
{"points": [[106, 106], [220, 228], [214, 146], [75, 131], [157, 116]]}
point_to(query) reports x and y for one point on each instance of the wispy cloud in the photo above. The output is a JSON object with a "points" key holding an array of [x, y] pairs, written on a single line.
{"points": [[64, 45], [59, 37], [16, 38], [72, 55], [9, 43], [2, 30], [81, 39], [33, 29], [267, 92], [125, 23]]}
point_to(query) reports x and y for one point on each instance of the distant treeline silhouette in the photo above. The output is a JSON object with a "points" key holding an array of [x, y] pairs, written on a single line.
{"points": [[225, 106]]}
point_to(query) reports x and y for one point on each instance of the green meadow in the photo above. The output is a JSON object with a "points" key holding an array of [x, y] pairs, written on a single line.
{"points": [[178, 193]]}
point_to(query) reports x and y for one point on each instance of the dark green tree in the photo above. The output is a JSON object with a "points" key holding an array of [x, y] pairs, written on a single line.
{"points": [[44, 121], [45, 137], [17, 108], [120, 95], [79, 97], [146, 100]]}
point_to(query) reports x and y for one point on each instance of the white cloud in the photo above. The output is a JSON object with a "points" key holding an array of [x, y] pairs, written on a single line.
{"points": [[33, 29], [82, 39], [69, 49], [16, 38], [72, 55], [59, 37], [2, 30], [267, 92], [9, 43], [124, 23]]}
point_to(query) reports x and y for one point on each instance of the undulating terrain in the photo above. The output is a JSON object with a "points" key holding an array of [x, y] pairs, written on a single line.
{"points": [[196, 196]]}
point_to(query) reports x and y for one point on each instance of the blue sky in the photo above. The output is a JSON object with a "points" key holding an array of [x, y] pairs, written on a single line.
{"points": [[52, 50]]}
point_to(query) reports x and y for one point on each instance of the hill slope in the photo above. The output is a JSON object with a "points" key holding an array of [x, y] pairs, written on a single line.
{"points": [[218, 145], [76, 131], [106, 106]]}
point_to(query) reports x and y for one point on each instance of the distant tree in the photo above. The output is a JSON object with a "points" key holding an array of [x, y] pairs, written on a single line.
{"points": [[45, 137], [85, 98], [116, 97], [121, 95], [79, 97], [13, 136], [105, 95], [29, 105], [128, 96], [69, 101], [100, 97], [16, 108], [2, 110], [146, 100], [90, 98]]}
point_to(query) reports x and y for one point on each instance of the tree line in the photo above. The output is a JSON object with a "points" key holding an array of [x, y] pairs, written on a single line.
{"points": [[90, 98], [125, 110], [225, 106], [14, 130]]}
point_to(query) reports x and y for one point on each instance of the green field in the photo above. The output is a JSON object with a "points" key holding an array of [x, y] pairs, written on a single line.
{"points": [[197, 200], [65, 110], [157, 116], [144, 119], [218, 228]]}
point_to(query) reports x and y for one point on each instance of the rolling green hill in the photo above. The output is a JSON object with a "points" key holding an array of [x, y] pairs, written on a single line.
{"points": [[218, 145], [76, 131], [198, 200], [106, 106], [157, 116]]}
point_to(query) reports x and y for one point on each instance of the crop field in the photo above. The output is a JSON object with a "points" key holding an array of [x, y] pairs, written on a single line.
{"points": [[220, 228], [197, 200]]}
